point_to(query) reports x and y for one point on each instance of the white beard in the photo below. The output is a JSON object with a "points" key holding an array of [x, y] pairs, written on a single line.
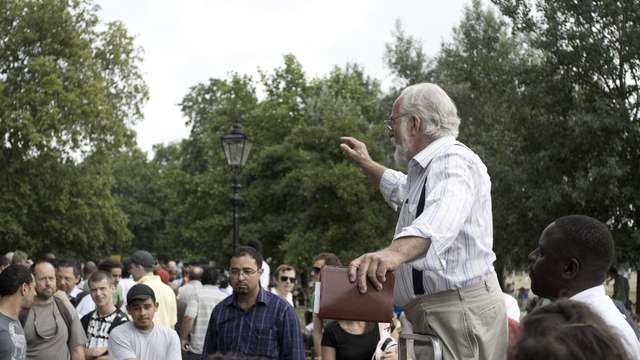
{"points": [[401, 155]]}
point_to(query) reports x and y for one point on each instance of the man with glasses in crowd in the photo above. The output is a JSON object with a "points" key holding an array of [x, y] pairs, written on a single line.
{"points": [[442, 247], [285, 281], [52, 326], [253, 321]]}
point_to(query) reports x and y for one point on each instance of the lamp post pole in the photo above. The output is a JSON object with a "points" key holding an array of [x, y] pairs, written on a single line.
{"points": [[236, 146], [236, 201]]}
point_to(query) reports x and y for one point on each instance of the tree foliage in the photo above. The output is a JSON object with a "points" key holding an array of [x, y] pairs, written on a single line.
{"points": [[69, 92]]}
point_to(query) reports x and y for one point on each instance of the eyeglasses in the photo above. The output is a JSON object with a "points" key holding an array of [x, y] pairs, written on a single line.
{"points": [[245, 271], [315, 270], [391, 121], [287, 278]]}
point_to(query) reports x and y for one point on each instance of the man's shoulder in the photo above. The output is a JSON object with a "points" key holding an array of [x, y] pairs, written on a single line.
{"points": [[274, 301], [123, 330]]}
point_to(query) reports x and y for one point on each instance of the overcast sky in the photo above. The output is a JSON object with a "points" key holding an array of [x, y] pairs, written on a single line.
{"points": [[186, 42]]}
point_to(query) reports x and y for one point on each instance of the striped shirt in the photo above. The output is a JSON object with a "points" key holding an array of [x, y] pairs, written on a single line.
{"points": [[199, 308], [456, 217], [270, 329]]}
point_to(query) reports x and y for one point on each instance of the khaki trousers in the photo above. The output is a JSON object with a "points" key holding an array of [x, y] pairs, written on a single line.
{"points": [[471, 322]]}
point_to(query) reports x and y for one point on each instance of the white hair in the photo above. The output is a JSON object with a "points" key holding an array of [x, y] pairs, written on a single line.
{"points": [[434, 107]]}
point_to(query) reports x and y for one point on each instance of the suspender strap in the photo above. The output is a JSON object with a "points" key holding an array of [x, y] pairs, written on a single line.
{"points": [[418, 275]]}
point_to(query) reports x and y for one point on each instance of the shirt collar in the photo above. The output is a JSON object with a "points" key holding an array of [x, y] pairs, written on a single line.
{"points": [[262, 298], [424, 157], [590, 293]]}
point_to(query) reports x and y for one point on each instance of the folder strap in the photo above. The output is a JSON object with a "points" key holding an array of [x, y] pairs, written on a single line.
{"points": [[418, 275]]}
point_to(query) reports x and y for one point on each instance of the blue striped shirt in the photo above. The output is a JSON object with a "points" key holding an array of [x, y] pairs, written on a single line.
{"points": [[269, 329], [456, 217]]}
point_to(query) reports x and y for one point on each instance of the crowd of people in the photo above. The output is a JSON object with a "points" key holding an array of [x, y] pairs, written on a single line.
{"points": [[449, 303]]}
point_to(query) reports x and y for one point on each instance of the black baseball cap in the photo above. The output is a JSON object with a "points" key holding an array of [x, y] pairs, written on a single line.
{"points": [[140, 292]]}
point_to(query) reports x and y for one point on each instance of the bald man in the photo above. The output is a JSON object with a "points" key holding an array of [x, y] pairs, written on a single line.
{"points": [[57, 333]]}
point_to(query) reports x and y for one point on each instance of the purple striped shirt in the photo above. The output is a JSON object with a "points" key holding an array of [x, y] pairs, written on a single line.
{"points": [[269, 329]]}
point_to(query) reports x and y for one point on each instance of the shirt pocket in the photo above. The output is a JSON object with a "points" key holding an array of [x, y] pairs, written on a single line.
{"points": [[266, 342]]}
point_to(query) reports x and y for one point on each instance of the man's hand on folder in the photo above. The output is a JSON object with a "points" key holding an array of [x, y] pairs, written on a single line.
{"points": [[376, 264]]}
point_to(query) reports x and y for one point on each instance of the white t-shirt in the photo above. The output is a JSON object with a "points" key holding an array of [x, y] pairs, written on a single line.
{"points": [[127, 342], [601, 304]]}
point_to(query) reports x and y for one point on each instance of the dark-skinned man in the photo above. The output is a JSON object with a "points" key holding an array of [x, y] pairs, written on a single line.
{"points": [[571, 261]]}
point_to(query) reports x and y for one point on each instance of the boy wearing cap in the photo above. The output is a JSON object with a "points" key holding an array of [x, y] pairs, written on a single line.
{"points": [[141, 339], [140, 266]]}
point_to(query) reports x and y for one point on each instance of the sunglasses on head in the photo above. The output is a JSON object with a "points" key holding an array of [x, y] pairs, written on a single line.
{"points": [[289, 279]]}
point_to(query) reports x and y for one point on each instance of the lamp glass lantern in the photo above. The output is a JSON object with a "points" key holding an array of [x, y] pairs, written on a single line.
{"points": [[236, 146]]}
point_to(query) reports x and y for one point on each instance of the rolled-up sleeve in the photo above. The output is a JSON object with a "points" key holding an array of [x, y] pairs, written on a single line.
{"points": [[392, 185], [447, 205]]}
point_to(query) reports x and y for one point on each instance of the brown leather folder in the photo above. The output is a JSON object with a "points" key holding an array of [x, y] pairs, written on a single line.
{"points": [[341, 300]]}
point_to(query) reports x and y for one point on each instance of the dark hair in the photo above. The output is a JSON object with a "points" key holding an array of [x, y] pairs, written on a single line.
{"points": [[223, 279], [13, 277], [99, 276], [72, 263], [209, 275], [613, 270], [329, 259], [566, 330], [4, 261], [108, 264], [250, 252], [256, 244], [591, 240]]}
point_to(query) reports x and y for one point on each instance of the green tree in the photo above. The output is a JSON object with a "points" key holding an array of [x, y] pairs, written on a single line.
{"points": [[69, 91]]}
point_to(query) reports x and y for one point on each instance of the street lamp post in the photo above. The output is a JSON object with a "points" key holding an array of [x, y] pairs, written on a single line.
{"points": [[236, 146]]}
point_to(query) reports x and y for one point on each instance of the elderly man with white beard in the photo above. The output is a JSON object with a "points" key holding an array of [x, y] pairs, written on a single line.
{"points": [[442, 248]]}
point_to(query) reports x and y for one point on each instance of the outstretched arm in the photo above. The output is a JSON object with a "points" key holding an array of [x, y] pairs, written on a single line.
{"points": [[357, 152]]}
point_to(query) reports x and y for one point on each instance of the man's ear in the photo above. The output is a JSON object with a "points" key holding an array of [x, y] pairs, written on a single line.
{"points": [[414, 124], [571, 268]]}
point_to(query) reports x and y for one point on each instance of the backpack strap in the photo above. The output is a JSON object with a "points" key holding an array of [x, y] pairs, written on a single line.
{"points": [[66, 316]]}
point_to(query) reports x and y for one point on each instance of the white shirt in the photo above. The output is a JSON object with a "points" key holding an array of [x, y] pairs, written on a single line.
{"points": [[513, 310], [266, 272], [199, 308], [601, 304], [188, 290], [128, 342], [85, 306], [289, 296], [456, 217]]}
